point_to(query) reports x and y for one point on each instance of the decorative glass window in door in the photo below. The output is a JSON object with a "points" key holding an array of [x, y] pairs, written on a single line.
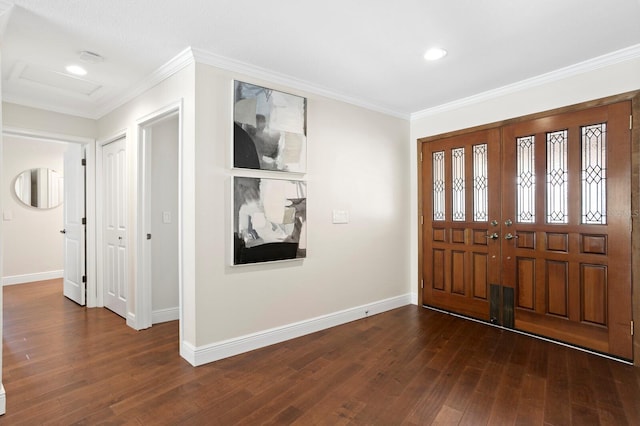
{"points": [[594, 174], [557, 185], [438, 186], [457, 182], [480, 183], [526, 179]]}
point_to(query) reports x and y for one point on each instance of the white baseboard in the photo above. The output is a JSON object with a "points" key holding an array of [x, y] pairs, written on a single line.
{"points": [[29, 278], [224, 349], [414, 298], [3, 400], [165, 315]]}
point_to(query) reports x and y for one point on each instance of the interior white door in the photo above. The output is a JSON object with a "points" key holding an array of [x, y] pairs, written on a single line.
{"points": [[114, 226], [74, 228]]}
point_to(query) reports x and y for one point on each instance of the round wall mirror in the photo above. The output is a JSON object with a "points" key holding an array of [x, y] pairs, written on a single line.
{"points": [[41, 188]]}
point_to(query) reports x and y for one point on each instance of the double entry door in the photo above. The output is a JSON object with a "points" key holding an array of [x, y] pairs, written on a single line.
{"points": [[529, 226]]}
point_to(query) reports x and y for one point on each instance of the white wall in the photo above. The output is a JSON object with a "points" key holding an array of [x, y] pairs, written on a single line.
{"points": [[357, 161], [599, 83], [32, 243], [164, 200]]}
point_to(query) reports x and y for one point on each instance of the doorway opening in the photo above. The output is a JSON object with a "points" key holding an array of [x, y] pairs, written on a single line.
{"points": [[158, 293], [38, 251]]}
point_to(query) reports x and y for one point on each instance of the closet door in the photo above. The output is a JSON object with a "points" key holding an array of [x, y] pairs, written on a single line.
{"points": [[567, 249], [461, 235]]}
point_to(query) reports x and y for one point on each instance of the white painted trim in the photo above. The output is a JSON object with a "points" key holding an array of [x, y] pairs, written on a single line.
{"points": [[44, 136], [613, 58], [207, 58], [3, 400], [143, 261], [164, 315], [29, 278], [173, 66], [219, 350], [414, 298]]}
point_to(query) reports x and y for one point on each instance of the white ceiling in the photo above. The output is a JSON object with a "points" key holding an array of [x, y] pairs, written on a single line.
{"points": [[369, 52]]}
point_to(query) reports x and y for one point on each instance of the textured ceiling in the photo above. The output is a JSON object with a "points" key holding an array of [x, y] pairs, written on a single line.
{"points": [[369, 51]]}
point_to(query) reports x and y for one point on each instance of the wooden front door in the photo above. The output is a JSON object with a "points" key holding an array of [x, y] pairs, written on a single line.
{"points": [[461, 199], [561, 265]]}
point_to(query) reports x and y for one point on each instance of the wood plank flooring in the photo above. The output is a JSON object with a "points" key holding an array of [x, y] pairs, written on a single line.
{"points": [[64, 364]]}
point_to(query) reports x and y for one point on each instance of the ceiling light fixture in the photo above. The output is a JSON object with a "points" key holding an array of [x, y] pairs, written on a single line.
{"points": [[76, 70], [435, 53]]}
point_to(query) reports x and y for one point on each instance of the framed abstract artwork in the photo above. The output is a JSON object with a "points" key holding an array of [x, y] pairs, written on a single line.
{"points": [[269, 219], [269, 129]]}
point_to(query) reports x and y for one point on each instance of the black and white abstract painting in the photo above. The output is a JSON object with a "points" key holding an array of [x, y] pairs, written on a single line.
{"points": [[269, 129], [269, 220]]}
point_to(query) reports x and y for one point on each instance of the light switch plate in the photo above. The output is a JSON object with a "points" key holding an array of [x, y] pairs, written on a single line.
{"points": [[166, 217], [340, 216]]}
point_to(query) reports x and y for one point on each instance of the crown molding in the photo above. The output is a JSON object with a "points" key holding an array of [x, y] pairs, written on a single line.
{"points": [[207, 58], [174, 65], [613, 58]]}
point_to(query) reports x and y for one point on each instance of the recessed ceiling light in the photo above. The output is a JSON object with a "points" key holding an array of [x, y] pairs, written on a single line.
{"points": [[435, 53], [76, 70]]}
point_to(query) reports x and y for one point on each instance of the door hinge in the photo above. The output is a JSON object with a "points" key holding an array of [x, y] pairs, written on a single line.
{"points": [[84, 220], [84, 161], [421, 220], [84, 278], [422, 283], [632, 327], [631, 122]]}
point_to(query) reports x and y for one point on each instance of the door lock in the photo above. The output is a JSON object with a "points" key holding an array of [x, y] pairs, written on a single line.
{"points": [[508, 222]]}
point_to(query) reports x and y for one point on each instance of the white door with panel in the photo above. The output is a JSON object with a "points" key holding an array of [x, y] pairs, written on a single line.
{"points": [[74, 226], [114, 226]]}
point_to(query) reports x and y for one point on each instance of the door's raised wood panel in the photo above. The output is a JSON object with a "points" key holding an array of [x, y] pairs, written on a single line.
{"points": [[526, 240], [557, 242], [557, 288], [594, 294], [439, 235], [596, 244], [458, 268], [457, 236], [480, 275], [526, 283], [438, 269]]}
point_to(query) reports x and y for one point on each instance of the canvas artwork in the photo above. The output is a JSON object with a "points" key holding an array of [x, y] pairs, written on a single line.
{"points": [[269, 219], [270, 129]]}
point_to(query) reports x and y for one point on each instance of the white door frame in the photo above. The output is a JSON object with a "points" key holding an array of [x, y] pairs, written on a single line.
{"points": [[90, 199], [144, 314], [99, 215]]}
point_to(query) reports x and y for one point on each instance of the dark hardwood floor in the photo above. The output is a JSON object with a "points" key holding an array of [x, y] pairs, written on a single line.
{"points": [[64, 364]]}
